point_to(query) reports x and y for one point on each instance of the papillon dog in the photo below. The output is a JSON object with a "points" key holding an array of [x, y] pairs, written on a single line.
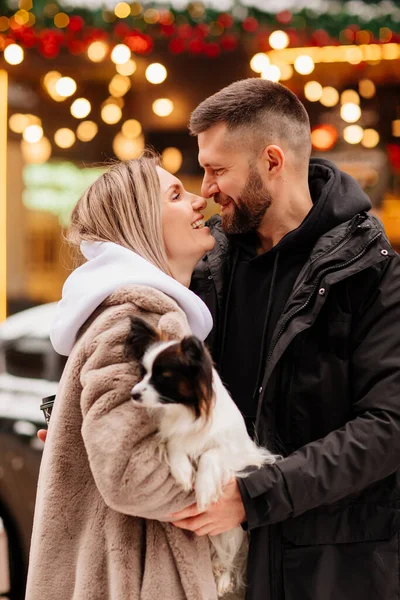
{"points": [[201, 430]]}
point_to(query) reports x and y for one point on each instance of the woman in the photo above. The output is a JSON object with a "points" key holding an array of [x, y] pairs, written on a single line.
{"points": [[104, 493]]}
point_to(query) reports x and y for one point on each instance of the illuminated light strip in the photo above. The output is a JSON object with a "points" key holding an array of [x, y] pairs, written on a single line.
{"points": [[332, 54], [3, 193]]}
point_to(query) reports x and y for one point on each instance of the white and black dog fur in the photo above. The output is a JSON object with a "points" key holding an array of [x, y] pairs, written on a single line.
{"points": [[201, 430]]}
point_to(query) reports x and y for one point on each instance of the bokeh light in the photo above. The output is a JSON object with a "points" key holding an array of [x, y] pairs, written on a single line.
{"points": [[304, 64], [330, 96], [353, 134], [367, 88], [33, 133], [86, 131], [13, 54], [127, 68], [350, 112], [172, 159], [163, 107], [278, 40], [271, 73], [80, 108], [36, 153], [111, 113], [370, 138], [126, 148], [349, 96], [259, 62], [131, 129], [156, 73], [64, 137], [97, 51], [119, 85], [313, 91], [120, 54], [66, 86]]}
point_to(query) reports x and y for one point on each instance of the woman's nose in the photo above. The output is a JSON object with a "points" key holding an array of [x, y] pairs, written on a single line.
{"points": [[199, 203]]}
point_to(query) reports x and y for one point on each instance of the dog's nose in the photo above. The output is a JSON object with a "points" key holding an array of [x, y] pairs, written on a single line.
{"points": [[136, 396]]}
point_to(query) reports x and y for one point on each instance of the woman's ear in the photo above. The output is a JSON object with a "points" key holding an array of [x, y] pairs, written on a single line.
{"points": [[141, 337]]}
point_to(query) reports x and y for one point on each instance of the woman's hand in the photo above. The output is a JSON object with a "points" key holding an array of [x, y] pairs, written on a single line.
{"points": [[42, 435]]}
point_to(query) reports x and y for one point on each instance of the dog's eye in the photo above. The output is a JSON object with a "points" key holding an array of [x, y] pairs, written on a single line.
{"points": [[167, 374]]}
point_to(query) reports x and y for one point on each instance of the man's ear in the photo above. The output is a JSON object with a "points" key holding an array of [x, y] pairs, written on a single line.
{"points": [[141, 337], [193, 350]]}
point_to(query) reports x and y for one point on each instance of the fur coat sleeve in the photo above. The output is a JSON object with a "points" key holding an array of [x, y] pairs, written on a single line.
{"points": [[120, 438]]}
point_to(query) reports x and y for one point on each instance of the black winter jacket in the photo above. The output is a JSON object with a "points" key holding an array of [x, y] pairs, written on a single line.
{"points": [[324, 521]]}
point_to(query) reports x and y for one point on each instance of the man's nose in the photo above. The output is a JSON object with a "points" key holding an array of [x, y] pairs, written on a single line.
{"points": [[208, 188]]}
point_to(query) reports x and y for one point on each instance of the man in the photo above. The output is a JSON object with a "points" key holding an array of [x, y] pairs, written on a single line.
{"points": [[304, 288]]}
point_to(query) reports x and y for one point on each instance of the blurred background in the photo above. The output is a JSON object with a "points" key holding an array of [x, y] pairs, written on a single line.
{"points": [[83, 82]]}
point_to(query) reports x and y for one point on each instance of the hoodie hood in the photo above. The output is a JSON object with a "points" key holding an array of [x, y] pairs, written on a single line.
{"points": [[108, 268], [337, 198]]}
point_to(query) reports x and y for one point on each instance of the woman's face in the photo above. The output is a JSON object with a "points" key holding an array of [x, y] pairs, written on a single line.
{"points": [[185, 237]]}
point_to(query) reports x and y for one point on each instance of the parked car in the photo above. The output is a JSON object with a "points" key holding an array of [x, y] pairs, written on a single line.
{"points": [[29, 371]]}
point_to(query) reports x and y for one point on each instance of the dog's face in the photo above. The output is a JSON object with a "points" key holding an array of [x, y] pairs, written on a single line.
{"points": [[173, 373]]}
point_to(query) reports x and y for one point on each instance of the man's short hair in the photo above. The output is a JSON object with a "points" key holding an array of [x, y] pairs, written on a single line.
{"points": [[267, 110]]}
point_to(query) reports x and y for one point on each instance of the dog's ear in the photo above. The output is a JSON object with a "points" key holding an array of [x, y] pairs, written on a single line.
{"points": [[141, 337], [193, 350]]}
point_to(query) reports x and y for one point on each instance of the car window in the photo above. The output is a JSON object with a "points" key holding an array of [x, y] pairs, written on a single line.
{"points": [[33, 358]]}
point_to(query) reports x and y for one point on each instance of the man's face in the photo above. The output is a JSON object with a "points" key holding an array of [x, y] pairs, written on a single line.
{"points": [[231, 177]]}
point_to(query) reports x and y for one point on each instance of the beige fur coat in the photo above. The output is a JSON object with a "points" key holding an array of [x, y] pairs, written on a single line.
{"points": [[103, 490]]}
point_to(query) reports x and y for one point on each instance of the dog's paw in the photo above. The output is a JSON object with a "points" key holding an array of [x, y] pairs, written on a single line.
{"points": [[224, 583], [207, 493], [183, 474]]}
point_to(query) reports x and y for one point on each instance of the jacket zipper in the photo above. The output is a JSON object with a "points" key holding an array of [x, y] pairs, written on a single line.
{"points": [[316, 286]]}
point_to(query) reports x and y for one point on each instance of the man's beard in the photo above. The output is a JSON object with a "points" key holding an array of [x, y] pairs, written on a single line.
{"points": [[250, 208]]}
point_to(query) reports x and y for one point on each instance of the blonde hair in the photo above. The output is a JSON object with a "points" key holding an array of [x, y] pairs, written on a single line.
{"points": [[123, 206]]}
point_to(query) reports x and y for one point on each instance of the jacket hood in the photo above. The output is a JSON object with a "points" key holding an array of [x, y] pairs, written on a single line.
{"points": [[108, 268], [337, 198]]}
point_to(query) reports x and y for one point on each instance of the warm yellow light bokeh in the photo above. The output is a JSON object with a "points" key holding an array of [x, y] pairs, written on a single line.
{"points": [[350, 112], [66, 86], [80, 108], [304, 64], [313, 91], [163, 107], [38, 152], [18, 122], [126, 148], [122, 10], [156, 73], [278, 40], [131, 129], [396, 128], [33, 133], [330, 96], [353, 134], [64, 137], [61, 20], [366, 88], [13, 54], [120, 54], [127, 68], [111, 113], [349, 96], [119, 85], [172, 159], [97, 51], [271, 73], [370, 138], [259, 62], [86, 131], [49, 83]]}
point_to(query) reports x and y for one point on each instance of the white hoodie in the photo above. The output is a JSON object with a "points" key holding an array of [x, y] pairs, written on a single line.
{"points": [[108, 268]]}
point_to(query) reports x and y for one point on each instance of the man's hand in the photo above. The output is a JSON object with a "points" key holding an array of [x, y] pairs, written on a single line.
{"points": [[222, 516], [42, 435]]}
